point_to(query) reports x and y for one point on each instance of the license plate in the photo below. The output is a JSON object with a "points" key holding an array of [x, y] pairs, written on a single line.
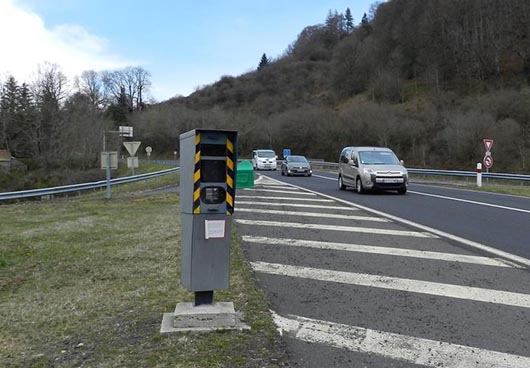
{"points": [[389, 181]]}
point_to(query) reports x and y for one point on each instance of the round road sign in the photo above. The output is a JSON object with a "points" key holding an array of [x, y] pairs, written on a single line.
{"points": [[148, 149], [488, 161]]}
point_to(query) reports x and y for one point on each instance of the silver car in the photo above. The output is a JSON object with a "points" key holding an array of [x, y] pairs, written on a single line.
{"points": [[296, 165], [365, 168]]}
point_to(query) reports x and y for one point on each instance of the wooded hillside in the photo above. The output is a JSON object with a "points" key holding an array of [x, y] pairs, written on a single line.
{"points": [[428, 78]]}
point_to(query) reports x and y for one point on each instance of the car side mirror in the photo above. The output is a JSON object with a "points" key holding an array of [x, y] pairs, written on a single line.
{"points": [[402, 162]]}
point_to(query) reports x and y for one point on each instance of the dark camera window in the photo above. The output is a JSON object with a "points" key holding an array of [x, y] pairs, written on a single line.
{"points": [[213, 150], [213, 171], [213, 195]]}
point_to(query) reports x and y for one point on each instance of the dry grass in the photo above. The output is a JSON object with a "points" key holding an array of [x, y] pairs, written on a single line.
{"points": [[84, 283]]}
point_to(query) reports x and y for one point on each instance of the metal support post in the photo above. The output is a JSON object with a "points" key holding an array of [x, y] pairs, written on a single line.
{"points": [[107, 159]]}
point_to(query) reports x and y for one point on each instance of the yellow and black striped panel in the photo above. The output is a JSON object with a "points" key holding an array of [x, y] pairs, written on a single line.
{"points": [[197, 176], [230, 175]]}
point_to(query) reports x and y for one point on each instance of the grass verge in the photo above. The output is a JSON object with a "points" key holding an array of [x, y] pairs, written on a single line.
{"points": [[84, 283]]}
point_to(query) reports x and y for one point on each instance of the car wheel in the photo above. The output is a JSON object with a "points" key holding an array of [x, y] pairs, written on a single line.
{"points": [[402, 190], [341, 184], [359, 186]]}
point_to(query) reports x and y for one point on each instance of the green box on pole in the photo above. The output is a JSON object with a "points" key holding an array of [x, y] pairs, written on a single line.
{"points": [[245, 175]]}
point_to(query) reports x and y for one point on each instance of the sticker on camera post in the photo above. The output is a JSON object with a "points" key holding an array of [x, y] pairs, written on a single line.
{"points": [[214, 229]]}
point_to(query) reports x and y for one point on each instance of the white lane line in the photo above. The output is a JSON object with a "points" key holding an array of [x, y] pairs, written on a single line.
{"points": [[276, 186], [416, 350], [313, 214], [351, 229], [286, 198], [400, 252], [469, 201], [325, 177], [397, 284], [470, 243], [297, 192], [279, 204]]}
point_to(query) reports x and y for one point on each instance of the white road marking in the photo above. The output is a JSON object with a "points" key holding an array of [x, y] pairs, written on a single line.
{"points": [[400, 252], [273, 204], [352, 229], [482, 247], [286, 198], [297, 192], [469, 201], [397, 284], [325, 177], [313, 214], [418, 351]]}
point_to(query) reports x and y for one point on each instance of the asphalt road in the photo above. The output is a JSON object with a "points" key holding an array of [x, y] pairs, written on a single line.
{"points": [[496, 220], [350, 286]]}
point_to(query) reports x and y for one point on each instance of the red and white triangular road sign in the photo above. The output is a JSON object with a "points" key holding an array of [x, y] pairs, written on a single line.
{"points": [[132, 147], [488, 143]]}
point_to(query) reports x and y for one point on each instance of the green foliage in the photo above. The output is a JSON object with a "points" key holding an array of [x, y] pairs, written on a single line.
{"points": [[263, 62]]}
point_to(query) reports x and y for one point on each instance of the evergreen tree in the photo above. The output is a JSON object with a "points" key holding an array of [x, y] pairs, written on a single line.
{"points": [[365, 21], [27, 144], [119, 111], [263, 62], [8, 106], [366, 27], [349, 20]]}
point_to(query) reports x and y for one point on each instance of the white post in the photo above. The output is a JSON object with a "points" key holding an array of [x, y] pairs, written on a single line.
{"points": [[479, 174]]}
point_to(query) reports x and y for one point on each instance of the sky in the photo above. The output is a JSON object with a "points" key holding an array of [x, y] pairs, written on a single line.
{"points": [[183, 44]]}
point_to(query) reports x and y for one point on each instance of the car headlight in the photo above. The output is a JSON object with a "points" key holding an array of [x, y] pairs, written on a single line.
{"points": [[368, 171]]}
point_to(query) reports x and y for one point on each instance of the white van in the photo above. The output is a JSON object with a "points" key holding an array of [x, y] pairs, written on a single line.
{"points": [[264, 159], [365, 168]]}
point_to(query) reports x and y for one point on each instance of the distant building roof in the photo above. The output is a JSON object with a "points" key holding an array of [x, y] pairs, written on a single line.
{"points": [[5, 155]]}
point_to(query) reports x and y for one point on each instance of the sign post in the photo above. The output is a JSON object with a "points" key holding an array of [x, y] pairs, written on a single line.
{"points": [[148, 150], [109, 161], [488, 159], [132, 147]]}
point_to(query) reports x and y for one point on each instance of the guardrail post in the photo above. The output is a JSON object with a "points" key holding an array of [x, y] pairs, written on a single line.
{"points": [[479, 174]]}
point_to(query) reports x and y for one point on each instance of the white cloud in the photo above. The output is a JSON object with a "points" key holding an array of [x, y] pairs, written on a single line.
{"points": [[26, 42]]}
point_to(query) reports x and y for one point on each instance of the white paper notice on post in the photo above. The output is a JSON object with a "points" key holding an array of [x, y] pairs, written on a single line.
{"points": [[214, 229]]}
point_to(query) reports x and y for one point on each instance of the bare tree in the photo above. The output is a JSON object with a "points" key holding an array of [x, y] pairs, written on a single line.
{"points": [[91, 85], [135, 81]]}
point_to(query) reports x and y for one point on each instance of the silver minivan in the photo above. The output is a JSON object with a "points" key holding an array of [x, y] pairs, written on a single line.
{"points": [[264, 159], [365, 168]]}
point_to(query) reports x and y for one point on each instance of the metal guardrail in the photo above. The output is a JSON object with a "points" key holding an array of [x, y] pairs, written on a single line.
{"points": [[469, 174], [83, 186]]}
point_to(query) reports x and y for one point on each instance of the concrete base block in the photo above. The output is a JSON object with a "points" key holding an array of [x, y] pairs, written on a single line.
{"points": [[203, 318]]}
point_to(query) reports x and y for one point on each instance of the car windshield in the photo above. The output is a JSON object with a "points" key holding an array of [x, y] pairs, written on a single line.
{"points": [[378, 158], [298, 159], [266, 154]]}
